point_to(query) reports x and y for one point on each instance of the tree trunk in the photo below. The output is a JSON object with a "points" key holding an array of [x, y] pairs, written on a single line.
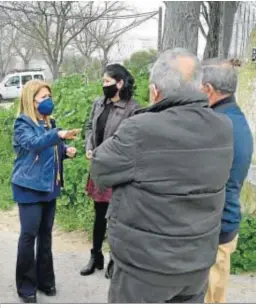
{"points": [[181, 25], [221, 30], [236, 37], [54, 68], [244, 31], [212, 44], [230, 11], [26, 64], [55, 71], [105, 60], [242, 26]]}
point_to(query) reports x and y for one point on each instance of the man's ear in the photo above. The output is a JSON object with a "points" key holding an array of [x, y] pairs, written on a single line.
{"points": [[155, 92], [207, 88]]}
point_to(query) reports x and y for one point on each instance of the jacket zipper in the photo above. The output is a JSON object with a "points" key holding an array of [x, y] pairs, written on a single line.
{"points": [[35, 160], [53, 176]]}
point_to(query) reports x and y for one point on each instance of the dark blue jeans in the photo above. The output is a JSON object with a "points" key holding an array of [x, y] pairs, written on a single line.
{"points": [[36, 223]]}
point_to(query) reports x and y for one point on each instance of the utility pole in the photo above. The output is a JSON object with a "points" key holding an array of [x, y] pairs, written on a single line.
{"points": [[160, 29], [221, 29]]}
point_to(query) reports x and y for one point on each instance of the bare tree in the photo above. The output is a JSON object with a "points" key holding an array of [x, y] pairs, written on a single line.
{"points": [[103, 35], [243, 27], [24, 47], [50, 23], [85, 43], [211, 11], [181, 24], [229, 16], [7, 52], [107, 34]]}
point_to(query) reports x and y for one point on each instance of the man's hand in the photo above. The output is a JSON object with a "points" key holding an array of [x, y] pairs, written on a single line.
{"points": [[88, 155], [69, 134], [71, 152]]}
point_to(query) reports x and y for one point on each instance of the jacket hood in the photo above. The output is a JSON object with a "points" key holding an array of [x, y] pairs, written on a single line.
{"points": [[185, 96], [26, 119]]}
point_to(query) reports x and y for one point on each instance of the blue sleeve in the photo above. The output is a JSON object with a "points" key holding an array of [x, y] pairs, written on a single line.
{"points": [[64, 150], [26, 137]]}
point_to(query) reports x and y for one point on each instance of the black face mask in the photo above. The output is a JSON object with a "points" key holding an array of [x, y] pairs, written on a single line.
{"points": [[110, 91]]}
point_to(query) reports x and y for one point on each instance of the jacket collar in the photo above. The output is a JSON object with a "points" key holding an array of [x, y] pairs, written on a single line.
{"points": [[120, 104], [27, 119], [223, 102], [185, 96]]}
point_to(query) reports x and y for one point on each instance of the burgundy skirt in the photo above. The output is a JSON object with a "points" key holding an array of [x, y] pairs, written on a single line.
{"points": [[94, 193]]}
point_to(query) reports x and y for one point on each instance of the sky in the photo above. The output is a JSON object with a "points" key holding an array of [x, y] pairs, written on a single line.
{"points": [[141, 37]]}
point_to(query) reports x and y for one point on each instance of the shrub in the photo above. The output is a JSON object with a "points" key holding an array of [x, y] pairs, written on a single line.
{"points": [[6, 156], [244, 259], [73, 99]]}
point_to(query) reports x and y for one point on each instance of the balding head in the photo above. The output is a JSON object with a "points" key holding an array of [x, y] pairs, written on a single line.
{"points": [[219, 79], [172, 70]]}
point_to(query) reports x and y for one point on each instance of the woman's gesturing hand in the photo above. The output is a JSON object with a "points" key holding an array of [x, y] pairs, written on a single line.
{"points": [[71, 152], [69, 134]]}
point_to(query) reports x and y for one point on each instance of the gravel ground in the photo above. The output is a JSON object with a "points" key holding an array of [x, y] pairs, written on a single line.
{"points": [[69, 256]]}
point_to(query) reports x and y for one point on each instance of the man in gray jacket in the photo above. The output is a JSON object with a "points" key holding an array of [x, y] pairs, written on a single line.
{"points": [[168, 166]]}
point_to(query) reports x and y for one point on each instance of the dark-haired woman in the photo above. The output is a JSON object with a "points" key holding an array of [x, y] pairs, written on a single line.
{"points": [[107, 114]]}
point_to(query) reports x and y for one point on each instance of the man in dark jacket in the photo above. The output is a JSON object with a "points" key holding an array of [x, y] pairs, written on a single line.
{"points": [[219, 83], [168, 168]]}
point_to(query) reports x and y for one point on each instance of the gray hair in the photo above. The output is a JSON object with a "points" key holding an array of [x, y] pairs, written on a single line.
{"points": [[221, 74], [167, 77]]}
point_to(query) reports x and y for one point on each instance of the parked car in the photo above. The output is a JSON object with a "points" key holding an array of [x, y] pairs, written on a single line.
{"points": [[11, 85]]}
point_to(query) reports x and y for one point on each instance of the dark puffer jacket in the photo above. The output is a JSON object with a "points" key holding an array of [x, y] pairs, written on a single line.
{"points": [[168, 167]]}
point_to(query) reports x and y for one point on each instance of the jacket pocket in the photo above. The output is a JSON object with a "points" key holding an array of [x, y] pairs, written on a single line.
{"points": [[33, 164]]}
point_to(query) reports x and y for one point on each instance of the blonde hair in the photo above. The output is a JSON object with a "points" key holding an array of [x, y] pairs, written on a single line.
{"points": [[27, 99]]}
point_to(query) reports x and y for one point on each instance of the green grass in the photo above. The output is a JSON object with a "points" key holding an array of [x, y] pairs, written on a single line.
{"points": [[76, 218]]}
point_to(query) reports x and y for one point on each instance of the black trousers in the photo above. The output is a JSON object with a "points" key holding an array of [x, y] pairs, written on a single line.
{"points": [[100, 225], [36, 223]]}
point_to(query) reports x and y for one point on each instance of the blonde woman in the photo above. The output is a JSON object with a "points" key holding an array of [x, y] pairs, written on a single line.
{"points": [[36, 182]]}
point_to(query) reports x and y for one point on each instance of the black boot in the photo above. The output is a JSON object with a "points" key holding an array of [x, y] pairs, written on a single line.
{"points": [[48, 291], [28, 299], [96, 262]]}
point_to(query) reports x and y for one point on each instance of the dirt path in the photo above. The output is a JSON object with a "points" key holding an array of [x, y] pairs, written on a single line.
{"points": [[71, 241], [70, 254]]}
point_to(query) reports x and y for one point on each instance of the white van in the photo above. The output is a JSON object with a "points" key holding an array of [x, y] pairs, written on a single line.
{"points": [[11, 85]]}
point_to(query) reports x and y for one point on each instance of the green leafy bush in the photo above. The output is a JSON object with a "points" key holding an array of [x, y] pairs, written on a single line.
{"points": [[140, 61], [6, 156], [244, 259], [73, 99]]}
